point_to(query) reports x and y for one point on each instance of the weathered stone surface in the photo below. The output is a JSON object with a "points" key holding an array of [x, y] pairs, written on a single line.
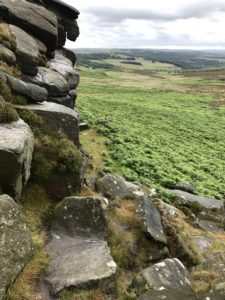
{"points": [[57, 118], [114, 186], [70, 54], [16, 148], [7, 55], [66, 101], [15, 243], [202, 202], [27, 51], [32, 18], [171, 295], [184, 186], [54, 82], [169, 274], [79, 254], [64, 66], [65, 8], [152, 220], [168, 279], [32, 91]]}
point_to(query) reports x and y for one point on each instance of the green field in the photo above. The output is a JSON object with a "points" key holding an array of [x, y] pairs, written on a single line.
{"points": [[162, 126]]}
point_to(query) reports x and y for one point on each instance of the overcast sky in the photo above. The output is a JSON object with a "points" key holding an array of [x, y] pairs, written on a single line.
{"points": [[146, 23]]}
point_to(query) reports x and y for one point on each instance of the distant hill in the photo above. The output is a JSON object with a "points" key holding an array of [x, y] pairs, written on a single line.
{"points": [[185, 59]]}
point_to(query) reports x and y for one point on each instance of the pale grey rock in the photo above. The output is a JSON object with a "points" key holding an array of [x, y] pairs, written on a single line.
{"points": [[202, 202], [32, 18], [64, 66], [54, 82], [15, 243], [172, 295], [16, 149], [114, 186], [57, 118], [33, 92], [168, 279], [169, 274], [27, 50], [79, 254]]}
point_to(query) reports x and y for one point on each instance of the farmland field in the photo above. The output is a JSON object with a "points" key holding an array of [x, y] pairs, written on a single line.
{"points": [[162, 125]]}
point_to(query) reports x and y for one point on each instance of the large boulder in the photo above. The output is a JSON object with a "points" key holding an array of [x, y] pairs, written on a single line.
{"points": [[15, 243], [54, 82], [27, 51], [16, 149], [168, 279], [64, 66], [79, 254], [57, 118], [114, 186], [32, 18], [33, 92]]}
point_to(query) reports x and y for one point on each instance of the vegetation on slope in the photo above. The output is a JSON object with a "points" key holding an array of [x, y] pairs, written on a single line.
{"points": [[156, 136]]}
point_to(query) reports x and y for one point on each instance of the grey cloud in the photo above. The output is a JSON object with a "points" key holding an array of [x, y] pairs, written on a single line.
{"points": [[197, 10]]}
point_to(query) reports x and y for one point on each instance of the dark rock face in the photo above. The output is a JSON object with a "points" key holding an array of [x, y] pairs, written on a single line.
{"points": [[79, 254], [16, 148], [32, 18], [152, 220], [16, 244], [57, 118]]}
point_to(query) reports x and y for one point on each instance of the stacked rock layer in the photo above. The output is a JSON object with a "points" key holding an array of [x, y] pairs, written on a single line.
{"points": [[35, 69]]}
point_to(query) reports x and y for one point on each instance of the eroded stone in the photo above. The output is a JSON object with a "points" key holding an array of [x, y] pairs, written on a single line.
{"points": [[79, 254], [15, 243]]}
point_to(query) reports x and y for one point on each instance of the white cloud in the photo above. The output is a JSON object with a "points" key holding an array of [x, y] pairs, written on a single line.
{"points": [[144, 23]]}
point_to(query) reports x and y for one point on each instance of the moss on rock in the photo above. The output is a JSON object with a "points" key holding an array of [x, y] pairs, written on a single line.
{"points": [[7, 113], [6, 36], [56, 165]]}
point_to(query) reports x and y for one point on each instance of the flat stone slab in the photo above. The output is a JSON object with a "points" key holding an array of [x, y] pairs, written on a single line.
{"points": [[16, 150], [202, 202], [15, 243], [79, 254], [57, 118]]}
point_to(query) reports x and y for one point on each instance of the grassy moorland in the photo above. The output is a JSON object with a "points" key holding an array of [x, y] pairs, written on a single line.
{"points": [[161, 125]]}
